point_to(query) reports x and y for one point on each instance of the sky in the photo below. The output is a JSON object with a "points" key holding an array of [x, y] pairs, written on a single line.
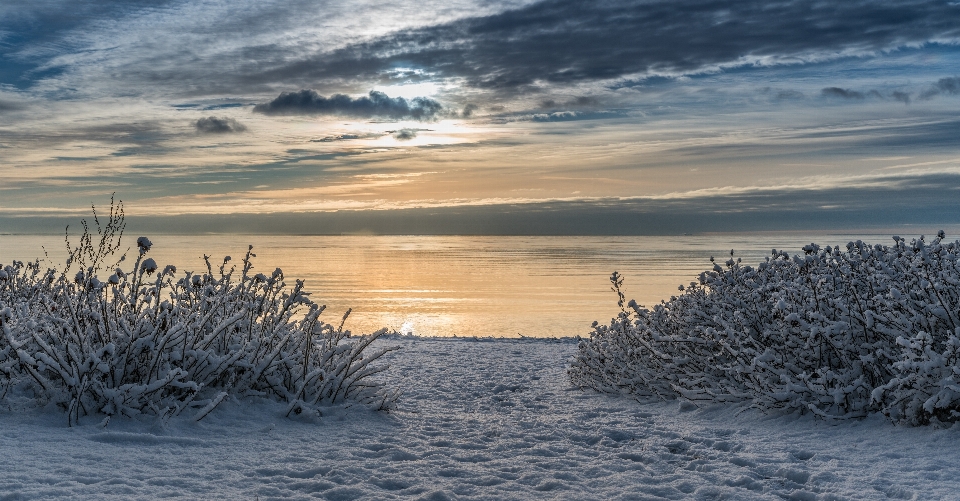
{"points": [[484, 117]]}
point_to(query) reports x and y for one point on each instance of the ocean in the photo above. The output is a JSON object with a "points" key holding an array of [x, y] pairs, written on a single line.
{"points": [[463, 285]]}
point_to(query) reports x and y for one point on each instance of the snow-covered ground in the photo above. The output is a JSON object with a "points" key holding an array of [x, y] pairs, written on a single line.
{"points": [[479, 419]]}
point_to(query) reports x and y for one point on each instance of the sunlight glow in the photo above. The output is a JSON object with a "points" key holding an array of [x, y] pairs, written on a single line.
{"points": [[410, 90]]}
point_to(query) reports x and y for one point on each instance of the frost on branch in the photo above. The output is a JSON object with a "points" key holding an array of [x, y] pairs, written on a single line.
{"points": [[145, 341], [837, 332]]}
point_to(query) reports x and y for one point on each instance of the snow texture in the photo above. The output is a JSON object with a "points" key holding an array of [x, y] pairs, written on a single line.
{"points": [[479, 419], [139, 344], [840, 333]]}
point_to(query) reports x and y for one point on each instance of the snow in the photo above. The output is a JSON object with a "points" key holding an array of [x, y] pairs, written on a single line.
{"points": [[825, 332], [478, 419]]}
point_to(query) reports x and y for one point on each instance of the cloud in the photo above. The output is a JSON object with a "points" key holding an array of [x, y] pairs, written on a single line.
{"points": [[140, 132], [780, 94], [566, 116], [576, 102], [583, 101], [468, 110], [891, 202], [789, 94], [841, 93], [32, 31], [950, 85], [347, 137], [837, 92], [903, 97], [405, 134], [567, 41], [222, 106], [6, 106], [217, 125], [268, 47], [375, 105]]}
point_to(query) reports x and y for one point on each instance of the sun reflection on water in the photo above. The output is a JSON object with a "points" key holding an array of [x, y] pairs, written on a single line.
{"points": [[462, 285]]}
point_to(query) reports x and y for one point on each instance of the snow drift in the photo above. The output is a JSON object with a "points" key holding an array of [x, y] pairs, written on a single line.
{"points": [[144, 341], [840, 333]]}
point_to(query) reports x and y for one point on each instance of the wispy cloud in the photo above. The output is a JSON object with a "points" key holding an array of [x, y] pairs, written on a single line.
{"points": [[855, 95], [567, 41], [567, 116], [841, 93], [348, 137], [903, 97], [772, 208], [7, 106], [949, 86], [502, 47], [219, 125]]}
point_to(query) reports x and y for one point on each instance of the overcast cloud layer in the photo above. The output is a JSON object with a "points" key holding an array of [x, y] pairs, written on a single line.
{"points": [[483, 109]]}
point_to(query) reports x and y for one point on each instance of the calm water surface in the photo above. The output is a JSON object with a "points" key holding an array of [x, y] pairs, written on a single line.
{"points": [[461, 285]]}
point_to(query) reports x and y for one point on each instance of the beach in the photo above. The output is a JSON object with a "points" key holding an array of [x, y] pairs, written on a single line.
{"points": [[478, 419]]}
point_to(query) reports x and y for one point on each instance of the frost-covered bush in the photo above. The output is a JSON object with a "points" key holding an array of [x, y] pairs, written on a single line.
{"points": [[112, 340], [838, 332]]}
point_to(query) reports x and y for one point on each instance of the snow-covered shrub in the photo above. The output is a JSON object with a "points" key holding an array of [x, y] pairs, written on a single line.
{"points": [[838, 332], [144, 340]]}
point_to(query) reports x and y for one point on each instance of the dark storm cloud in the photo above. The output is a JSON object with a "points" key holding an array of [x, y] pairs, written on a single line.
{"points": [[374, 105], [949, 86], [218, 125], [903, 97], [841, 93], [569, 41]]}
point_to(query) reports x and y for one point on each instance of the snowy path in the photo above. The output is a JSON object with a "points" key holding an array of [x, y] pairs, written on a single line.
{"points": [[480, 420]]}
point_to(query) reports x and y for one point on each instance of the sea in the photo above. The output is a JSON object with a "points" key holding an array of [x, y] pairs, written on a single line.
{"points": [[466, 286]]}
